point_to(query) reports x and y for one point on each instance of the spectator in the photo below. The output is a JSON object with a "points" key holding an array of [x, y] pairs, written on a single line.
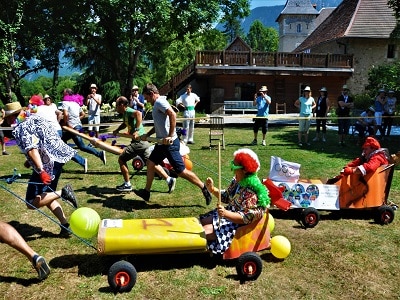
{"points": [[389, 111], [247, 201], [136, 100], [165, 129], [262, 101], [380, 102], [323, 106], [188, 101], [72, 117], [12, 238], [93, 103], [345, 104], [365, 123], [306, 104], [46, 153], [2, 139]]}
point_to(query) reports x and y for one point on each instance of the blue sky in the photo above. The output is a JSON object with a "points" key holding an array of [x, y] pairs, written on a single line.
{"points": [[258, 3]]}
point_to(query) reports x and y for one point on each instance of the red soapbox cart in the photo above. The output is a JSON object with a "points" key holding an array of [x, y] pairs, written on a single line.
{"points": [[344, 192]]}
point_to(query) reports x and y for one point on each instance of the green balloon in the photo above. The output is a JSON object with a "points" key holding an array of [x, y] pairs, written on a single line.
{"points": [[84, 222]]}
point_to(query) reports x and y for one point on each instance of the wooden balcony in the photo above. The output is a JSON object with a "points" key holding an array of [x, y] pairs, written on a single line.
{"points": [[273, 59]]}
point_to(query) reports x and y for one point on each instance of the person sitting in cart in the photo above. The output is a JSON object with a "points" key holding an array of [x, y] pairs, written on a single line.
{"points": [[372, 157], [247, 200]]}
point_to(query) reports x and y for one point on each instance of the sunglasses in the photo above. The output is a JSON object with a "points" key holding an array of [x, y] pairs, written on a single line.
{"points": [[235, 167]]}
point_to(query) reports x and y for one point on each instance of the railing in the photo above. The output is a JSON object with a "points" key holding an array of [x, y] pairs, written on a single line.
{"points": [[177, 79], [273, 59]]}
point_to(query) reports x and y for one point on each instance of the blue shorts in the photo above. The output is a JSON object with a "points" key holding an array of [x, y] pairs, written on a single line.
{"points": [[171, 152], [35, 187]]}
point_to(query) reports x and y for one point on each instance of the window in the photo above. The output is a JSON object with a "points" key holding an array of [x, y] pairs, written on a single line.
{"points": [[298, 27], [391, 53], [245, 91]]}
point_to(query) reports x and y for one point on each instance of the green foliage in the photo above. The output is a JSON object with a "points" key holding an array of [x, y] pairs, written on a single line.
{"points": [[261, 38], [383, 76], [395, 5], [363, 101]]}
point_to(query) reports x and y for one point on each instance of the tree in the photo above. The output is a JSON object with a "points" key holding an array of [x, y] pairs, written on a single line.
{"points": [[395, 5], [261, 38], [384, 76]]}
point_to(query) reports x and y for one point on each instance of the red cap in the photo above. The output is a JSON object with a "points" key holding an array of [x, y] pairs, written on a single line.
{"points": [[36, 100], [371, 142]]}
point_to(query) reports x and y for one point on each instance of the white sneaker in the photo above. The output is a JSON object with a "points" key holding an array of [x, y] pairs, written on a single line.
{"points": [[324, 139], [263, 143], [315, 139]]}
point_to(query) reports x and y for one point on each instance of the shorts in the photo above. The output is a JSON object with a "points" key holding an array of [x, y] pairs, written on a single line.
{"points": [[304, 124], [171, 152], [141, 148], [94, 119], [35, 187], [260, 122]]}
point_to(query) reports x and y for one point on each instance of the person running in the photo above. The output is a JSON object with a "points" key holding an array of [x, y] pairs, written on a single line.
{"points": [[165, 128]]}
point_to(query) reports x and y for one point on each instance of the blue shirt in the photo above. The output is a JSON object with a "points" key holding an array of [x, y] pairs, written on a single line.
{"points": [[262, 106]]}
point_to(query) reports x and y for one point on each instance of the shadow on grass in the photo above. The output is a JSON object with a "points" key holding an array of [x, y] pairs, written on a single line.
{"points": [[29, 232], [19, 281]]}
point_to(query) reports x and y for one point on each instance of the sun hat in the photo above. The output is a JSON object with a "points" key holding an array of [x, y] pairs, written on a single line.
{"points": [[382, 91], [12, 108], [93, 86], [390, 92], [263, 89], [345, 87], [307, 89], [46, 96], [323, 89], [135, 87], [371, 142], [371, 108], [247, 159]]}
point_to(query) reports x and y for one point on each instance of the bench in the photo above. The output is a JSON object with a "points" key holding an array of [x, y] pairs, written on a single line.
{"points": [[240, 106]]}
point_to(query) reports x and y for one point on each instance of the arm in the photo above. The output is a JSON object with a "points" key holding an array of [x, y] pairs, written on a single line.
{"points": [[172, 121], [66, 117], [119, 128], [297, 103], [328, 107]]}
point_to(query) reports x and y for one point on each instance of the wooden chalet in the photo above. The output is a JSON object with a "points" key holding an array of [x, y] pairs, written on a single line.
{"points": [[237, 73]]}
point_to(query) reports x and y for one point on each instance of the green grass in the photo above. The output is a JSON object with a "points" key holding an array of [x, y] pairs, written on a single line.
{"points": [[347, 257]]}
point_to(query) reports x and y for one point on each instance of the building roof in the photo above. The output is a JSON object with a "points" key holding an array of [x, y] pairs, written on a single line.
{"points": [[299, 7], [356, 19], [323, 14]]}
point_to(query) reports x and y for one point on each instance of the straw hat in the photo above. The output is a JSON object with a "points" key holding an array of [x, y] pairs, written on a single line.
{"points": [[93, 86], [323, 89], [371, 108], [12, 108], [345, 87], [307, 88], [135, 87], [263, 89]]}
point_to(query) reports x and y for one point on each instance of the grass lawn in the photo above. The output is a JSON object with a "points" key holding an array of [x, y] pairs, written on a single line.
{"points": [[345, 257]]}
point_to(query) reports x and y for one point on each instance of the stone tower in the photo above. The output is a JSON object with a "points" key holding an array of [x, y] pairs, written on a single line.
{"points": [[296, 22]]}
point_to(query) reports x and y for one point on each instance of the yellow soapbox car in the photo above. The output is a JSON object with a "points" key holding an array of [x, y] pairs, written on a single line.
{"points": [[175, 235], [343, 192]]}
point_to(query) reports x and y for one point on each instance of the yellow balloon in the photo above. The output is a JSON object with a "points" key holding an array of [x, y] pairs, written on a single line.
{"points": [[271, 223], [84, 222], [280, 246]]}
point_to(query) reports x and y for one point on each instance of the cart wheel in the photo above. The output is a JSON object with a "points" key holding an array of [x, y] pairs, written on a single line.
{"points": [[310, 217], [385, 215], [122, 276], [137, 163], [249, 266]]}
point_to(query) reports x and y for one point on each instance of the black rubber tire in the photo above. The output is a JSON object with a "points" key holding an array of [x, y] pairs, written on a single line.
{"points": [[310, 217], [384, 215], [138, 163], [249, 266], [122, 276]]}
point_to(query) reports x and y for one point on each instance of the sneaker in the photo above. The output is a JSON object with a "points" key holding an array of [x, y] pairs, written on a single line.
{"points": [[103, 157], [324, 139], [41, 266], [315, 139], [124, 187], [67, 193], [263, 143], [207, 195], [308, 144], [6, 153], [300, 144], [254, 142], [171, 185], [85, 168], [144, 194], [65, 232]]}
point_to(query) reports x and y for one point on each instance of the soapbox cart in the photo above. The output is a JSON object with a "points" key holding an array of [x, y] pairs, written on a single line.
{"points": [[175, 235], [344, 192]]}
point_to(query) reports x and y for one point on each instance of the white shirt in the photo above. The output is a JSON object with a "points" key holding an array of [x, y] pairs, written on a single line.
{"points": [[48, 112]]}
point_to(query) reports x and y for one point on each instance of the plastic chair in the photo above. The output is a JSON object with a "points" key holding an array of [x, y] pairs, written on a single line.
{"points": [[217, 131], [280, 108]]}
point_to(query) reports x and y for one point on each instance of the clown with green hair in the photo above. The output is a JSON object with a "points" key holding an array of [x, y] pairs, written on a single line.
{"points": [[246, 198]]}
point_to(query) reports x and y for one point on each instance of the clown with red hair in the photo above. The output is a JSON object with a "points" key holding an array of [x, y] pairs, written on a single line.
{"points": [[372, 157], [246, 198]]}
